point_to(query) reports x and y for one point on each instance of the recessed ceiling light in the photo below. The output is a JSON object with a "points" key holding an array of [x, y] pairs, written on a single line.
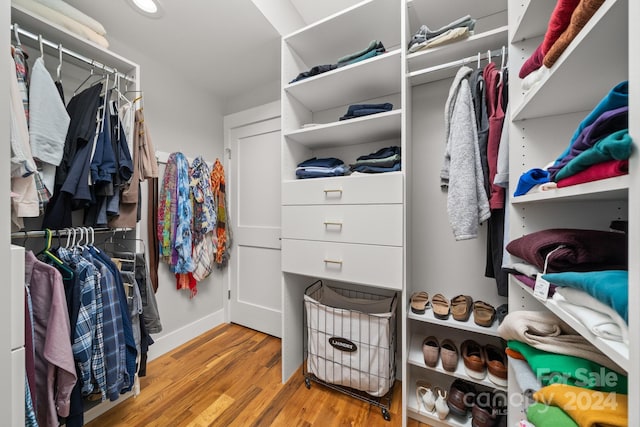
{"points": [[151, 8]]}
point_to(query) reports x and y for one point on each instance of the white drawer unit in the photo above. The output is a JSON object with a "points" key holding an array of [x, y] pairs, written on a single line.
{"points": [[357, 189], [373, 265], [368, 224]]}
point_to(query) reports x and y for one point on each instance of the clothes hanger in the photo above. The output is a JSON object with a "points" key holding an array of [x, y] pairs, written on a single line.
{"points": [[502, 65], [41, 47], [16, 35], [46, 252], [59, 68]]}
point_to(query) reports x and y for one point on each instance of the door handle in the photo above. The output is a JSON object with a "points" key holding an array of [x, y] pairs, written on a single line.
{"points": [[336, 190]]}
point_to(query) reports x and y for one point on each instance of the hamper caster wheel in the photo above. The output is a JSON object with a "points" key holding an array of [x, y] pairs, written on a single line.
{"points": [[386, 415], [307, 383]]}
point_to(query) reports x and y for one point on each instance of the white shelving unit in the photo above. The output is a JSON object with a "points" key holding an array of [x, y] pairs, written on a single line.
{"points": [[542, 122], [330, 227]]}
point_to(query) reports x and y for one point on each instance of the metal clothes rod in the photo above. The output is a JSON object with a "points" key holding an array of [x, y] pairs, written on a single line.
{"points": [[460, 62], [71, 53], [64, 232]]}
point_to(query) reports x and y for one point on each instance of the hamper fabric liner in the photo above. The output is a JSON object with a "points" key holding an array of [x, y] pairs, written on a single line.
{"points": [[367, 322]]}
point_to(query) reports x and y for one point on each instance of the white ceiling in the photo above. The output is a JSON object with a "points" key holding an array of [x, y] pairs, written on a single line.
{"points": [[227, 47]]}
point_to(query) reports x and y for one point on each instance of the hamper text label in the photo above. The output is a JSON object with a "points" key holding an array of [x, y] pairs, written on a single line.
{"points": [[342, 344]]}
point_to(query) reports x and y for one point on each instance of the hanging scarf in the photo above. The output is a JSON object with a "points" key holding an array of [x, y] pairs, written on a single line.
{"points": [[223, 231], [182, 262], [167, 207], [204, 219]]}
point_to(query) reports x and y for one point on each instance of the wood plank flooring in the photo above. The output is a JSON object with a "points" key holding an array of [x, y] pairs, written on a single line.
{"points": [[231, 376]]}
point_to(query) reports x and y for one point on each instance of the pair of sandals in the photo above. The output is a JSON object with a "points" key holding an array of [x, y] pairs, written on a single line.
{"points": [[460, 307]]}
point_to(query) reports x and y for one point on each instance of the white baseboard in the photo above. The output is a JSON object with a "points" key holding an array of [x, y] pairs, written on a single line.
{"points": [[172, 340]]}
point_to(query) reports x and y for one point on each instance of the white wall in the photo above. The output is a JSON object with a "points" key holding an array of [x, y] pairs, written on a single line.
{"points": [[181, 117]]}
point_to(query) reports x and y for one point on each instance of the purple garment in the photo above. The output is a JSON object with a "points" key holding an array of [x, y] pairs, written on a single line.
{"points": [[55, 368], [531, 283], [607, 123], [583, 250]]}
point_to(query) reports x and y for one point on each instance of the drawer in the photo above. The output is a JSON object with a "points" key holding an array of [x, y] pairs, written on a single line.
{"points": [[367, 264], [356, 189], [368, 224]]}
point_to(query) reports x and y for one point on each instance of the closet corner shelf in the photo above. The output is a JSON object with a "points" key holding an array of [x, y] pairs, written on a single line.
{"points": [[434, 64], [533, 20], [416, 358], [39, 25], [607, 27], [469, 325], [373, 78], [618, 352], [615, 188], [373, 127]]}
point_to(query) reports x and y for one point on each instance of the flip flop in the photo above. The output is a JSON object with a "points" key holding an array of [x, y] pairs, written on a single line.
{"points": [[419, 302]]}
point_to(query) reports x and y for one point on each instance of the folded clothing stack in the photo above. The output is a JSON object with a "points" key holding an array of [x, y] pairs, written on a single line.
{"points": [[384, 160], [458, 29], [359, 110], [320, 167], [374, 48]]}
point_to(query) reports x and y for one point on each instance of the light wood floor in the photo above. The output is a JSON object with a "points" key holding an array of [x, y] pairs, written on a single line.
{"points": [[231, 376]]}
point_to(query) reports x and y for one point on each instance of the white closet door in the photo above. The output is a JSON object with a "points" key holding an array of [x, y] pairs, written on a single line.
{"points": [[254, 198]]}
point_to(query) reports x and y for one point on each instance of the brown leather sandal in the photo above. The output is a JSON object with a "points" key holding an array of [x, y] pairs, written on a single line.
{"points": [[461, 306], [441, 306], [483, 314], [419, 302]]}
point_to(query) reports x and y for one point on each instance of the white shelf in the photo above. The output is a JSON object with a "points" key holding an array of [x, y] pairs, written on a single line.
{"points": [[56, 33], [607, 28], [618, 352], [441, 62], [368, 79], [374, 127], [534, 20], [435, 15], [616, 188], [416, 358], [350, 30], [469, 325]]}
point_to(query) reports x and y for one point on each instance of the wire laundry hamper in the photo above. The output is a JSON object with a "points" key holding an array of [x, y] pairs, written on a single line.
{"points": [[350, 342]]}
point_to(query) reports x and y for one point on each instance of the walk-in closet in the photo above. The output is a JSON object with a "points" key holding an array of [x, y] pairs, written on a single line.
{"points": [[350, 212]]}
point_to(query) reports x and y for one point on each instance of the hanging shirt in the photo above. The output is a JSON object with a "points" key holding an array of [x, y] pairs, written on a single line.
{"points": [[55, 367], [204, 219]]}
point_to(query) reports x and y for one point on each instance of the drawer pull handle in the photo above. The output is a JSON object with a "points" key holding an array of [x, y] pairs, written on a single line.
{"points": [[336, 223], [338, 190], [332, 261]]}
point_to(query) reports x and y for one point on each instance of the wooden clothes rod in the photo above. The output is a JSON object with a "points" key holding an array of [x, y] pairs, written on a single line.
{"points": [[89, 61]]}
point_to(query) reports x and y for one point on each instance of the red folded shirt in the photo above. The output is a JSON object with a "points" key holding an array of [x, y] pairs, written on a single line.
{"points": [[602, 170]]}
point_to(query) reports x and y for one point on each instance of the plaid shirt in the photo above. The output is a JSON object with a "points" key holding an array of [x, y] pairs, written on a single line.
{"points": [[82, 340]]}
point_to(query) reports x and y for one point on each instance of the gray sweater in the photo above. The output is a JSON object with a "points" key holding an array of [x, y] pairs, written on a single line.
{"points": [[461, 174]]}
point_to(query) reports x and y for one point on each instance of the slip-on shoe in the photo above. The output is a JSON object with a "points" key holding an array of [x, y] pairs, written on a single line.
{"points": [[431, 351], [461, 397], [496, 360], [419, 302], [449, 355], [483, 314], [474, 359]]}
